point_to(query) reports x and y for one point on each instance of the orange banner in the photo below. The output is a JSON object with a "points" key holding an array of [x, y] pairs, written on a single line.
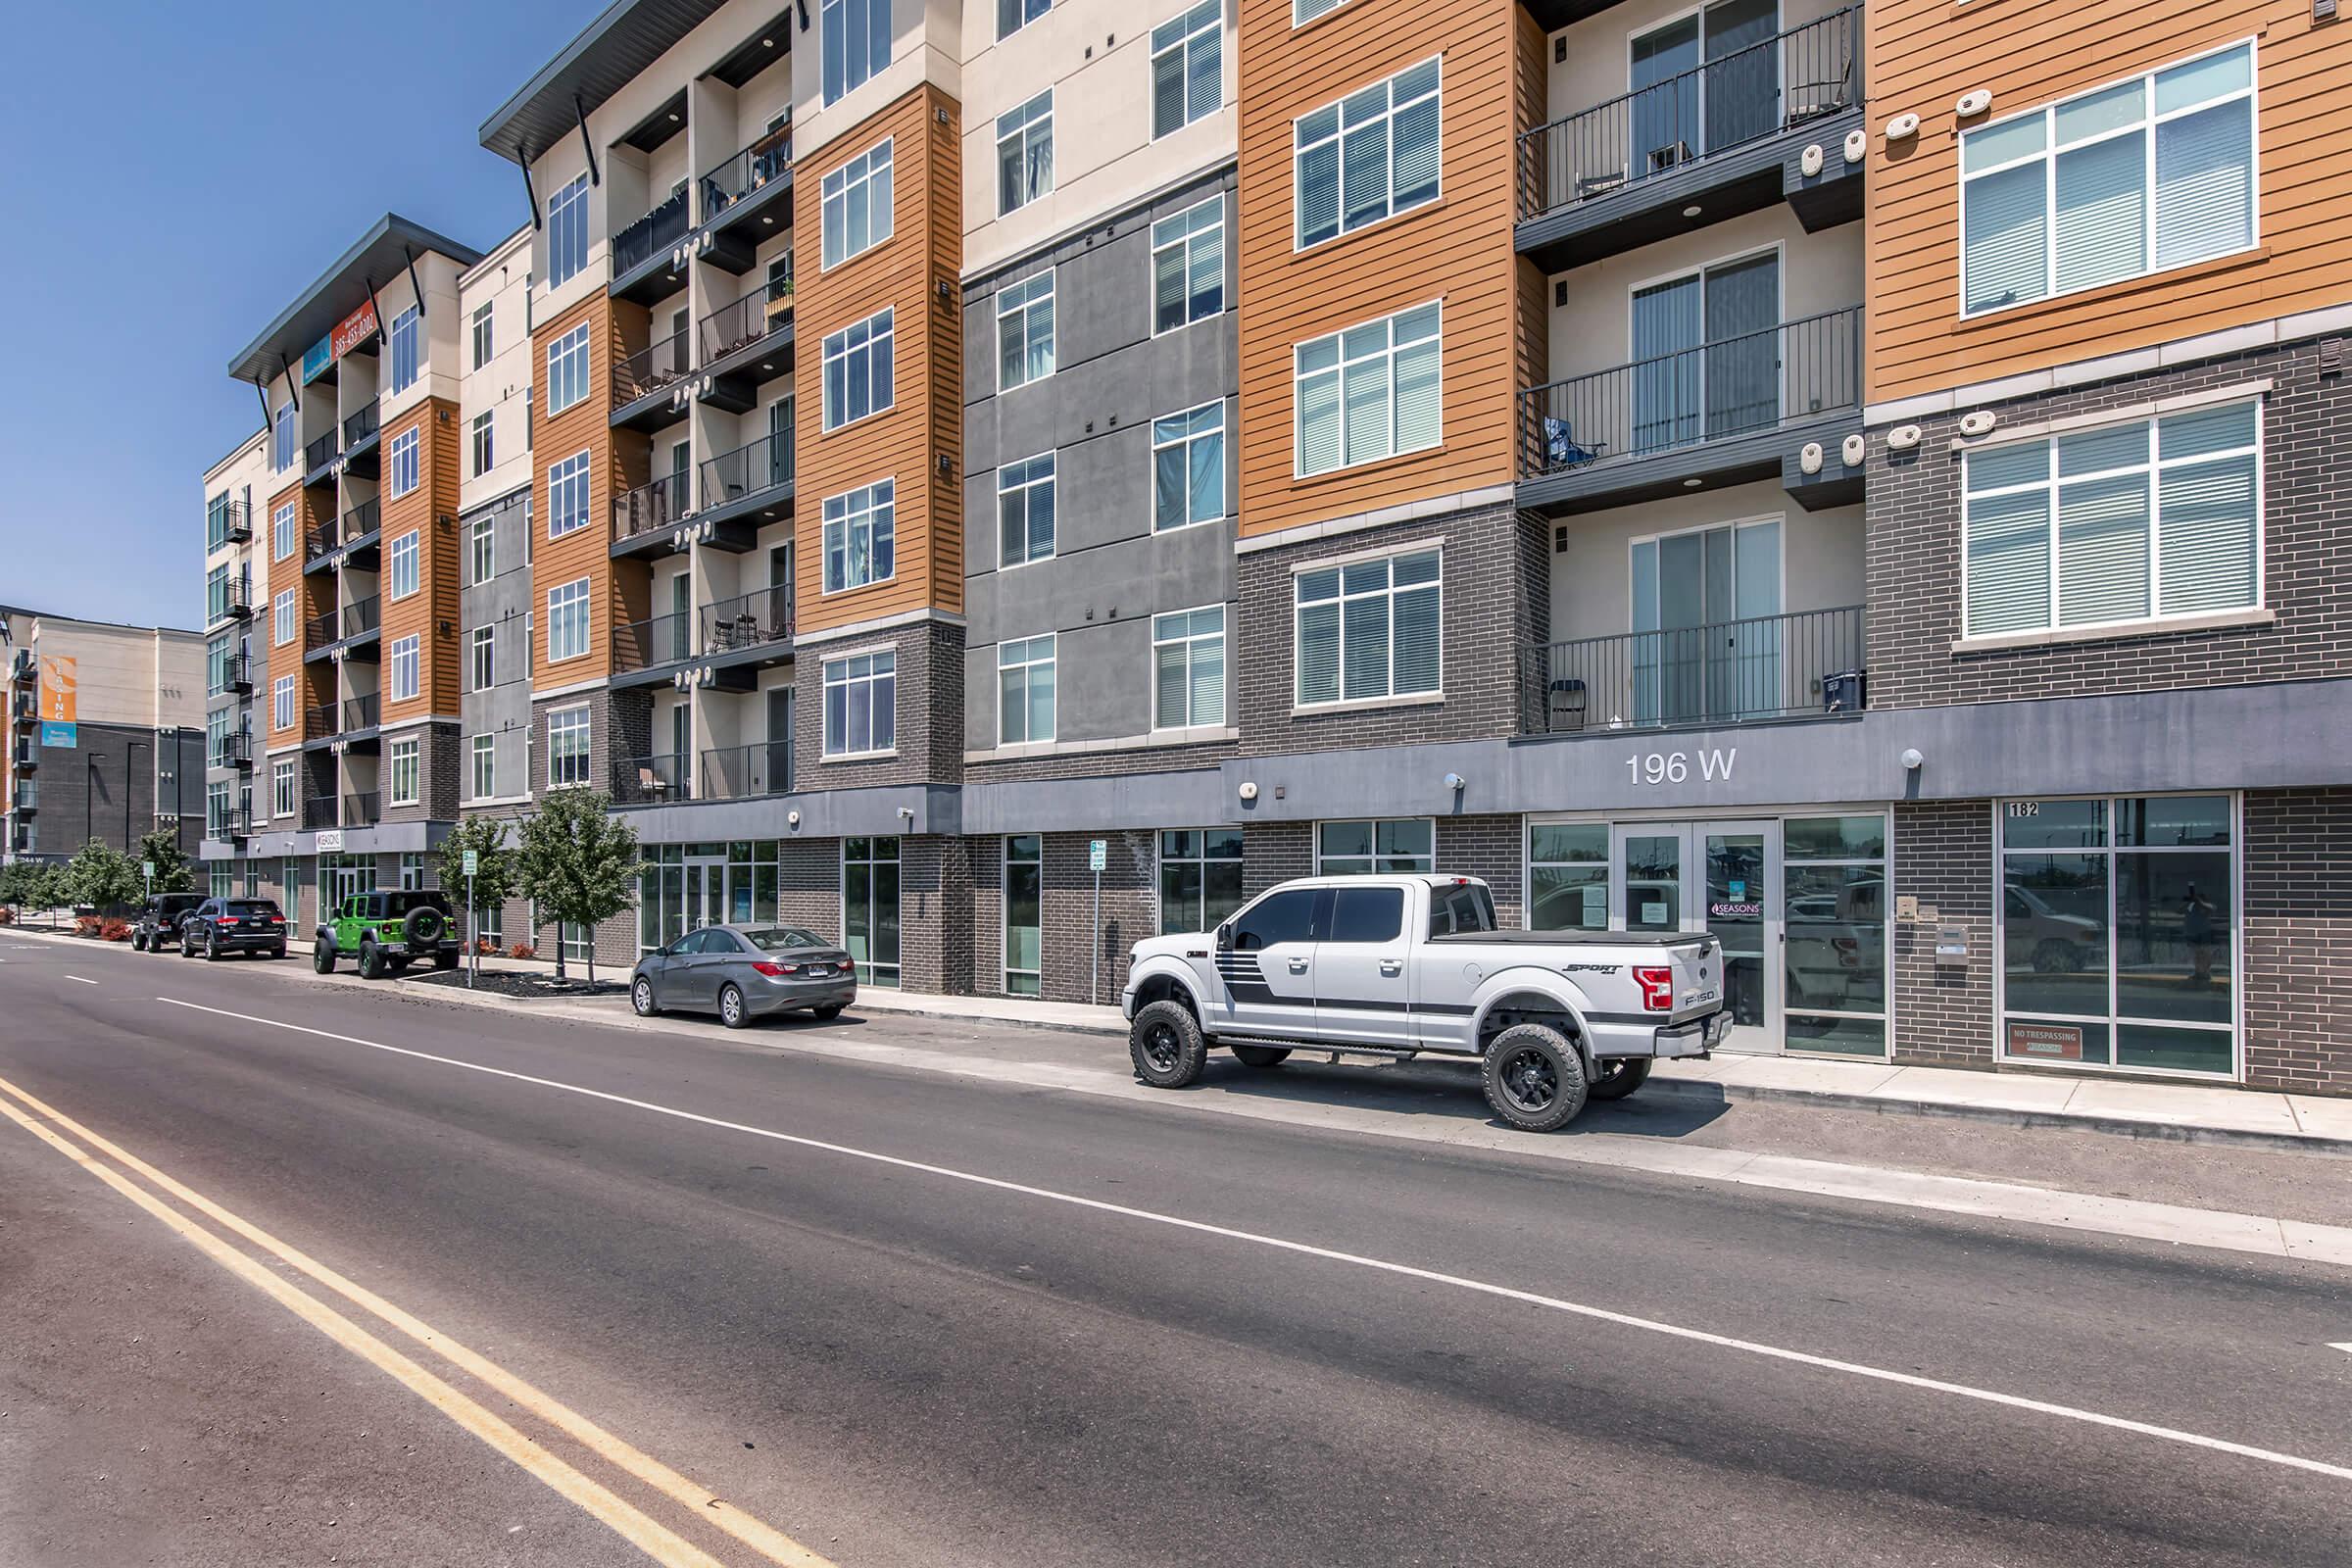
{"points": [[59, 703]]}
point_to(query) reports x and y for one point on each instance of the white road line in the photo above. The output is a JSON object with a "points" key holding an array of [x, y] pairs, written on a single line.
{"points": [[85, 982], [1355, 1259]]}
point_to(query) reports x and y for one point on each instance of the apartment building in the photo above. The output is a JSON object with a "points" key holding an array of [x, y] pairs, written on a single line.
{"points": [[102, 734], [346, 599], [1625, 452]]}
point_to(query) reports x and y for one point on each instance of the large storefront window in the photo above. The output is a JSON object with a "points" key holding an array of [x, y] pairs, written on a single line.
{"points": [[687, 886], [1403, 846], [343, 876], [870, 907], [1833, 872], [1568, 876], [1200, 878], [2119, 932]]}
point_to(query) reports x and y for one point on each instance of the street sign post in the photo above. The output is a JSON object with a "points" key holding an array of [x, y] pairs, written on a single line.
{"points": [[1098, 853], [474, 921], [147, 870]]}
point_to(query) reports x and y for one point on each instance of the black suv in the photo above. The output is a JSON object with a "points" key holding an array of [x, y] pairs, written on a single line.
{"points": [[387, 932], [233, 925], [158, 924]]}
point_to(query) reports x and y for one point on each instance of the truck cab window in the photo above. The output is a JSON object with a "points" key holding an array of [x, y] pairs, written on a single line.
{"points": [[1367, 915], [1283, 917], [1459, 909]]}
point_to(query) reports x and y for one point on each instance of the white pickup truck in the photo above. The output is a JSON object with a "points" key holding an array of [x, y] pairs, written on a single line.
{"points": [[1401, 965]]}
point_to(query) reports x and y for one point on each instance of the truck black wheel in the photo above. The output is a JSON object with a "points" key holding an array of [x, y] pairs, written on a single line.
{"points": [[1534, 1078], [731, 1011], [1261, 1055], [1620, 1076], [138, 942], [322, 957], [371, 961], [826, 1013], [1167, 1046]]}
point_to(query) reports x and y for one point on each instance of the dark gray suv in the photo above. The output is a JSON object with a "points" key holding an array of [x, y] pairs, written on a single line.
{"points": [[219, 926]]}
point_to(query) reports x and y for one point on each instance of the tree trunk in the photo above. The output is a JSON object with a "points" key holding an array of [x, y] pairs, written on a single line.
{"points": [[558, 950]]}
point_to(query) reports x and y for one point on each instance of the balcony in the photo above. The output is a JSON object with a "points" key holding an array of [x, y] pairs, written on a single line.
{"points": [[360, 445], [318, 812], [653, 780], [237, 523], [362, 810], [23, 708], [644, 395], [349, 540], [745, 773], [26, 800], [746, 198], [318, 459], [1768, 667], [25, 757], [745, 343], [1724, 412], [233, 750], [1724, 138], [749, 630], [351, 630], [645, 520], [22, 668], [236, 675], [750, 486], [647, 262], [351, 719], [230, 599], [644, 653]]}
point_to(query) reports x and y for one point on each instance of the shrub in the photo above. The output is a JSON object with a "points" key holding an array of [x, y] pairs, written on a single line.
{"points": [[6, 915], [115, 931], [522, 949], [85, 925], [485, 946]]}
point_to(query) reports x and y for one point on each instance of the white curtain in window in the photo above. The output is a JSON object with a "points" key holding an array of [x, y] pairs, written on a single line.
{"points": [[2002, 245]]}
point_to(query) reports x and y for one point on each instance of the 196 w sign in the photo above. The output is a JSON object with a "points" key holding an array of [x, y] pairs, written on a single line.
{"points": [[1673, 767]]}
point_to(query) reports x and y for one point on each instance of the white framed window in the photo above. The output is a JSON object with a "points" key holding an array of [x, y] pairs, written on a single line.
{"points": [[860, 536], [283, 444], [567, 370], [481, 546], [1370, 156], [403, 343], [856, 214], [1187, 265], [401, 465], [282, 532], [485, 663], [1025, 331], [407, 672], [1025, 690], [412, 870], [567, 495], [2144, 175], [1025, 153], [1304, 12], [401, 772], [861, 701], [1188, 467], [2139, 522], [1188, 667], [856, 42], [281, 791], [1200, 878], [1014, 15], [1386, 847], [1368, 392], [566, 231], [405, 577], [1368, 629], [281, 703], [858, 378], [484, 775], [1025, 511], [1188, 67], [568, 621], [567, 747], [1024, 912], [483, 345], [485, 452], [282, 617]]}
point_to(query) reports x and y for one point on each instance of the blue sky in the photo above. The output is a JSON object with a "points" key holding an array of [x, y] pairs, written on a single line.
{"points": [[181, 173]]}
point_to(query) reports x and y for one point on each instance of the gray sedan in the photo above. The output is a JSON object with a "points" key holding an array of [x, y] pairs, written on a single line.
{"points": [[743, 972]]}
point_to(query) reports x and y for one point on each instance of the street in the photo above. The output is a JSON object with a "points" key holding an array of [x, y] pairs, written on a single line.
{"points": [[475, 1288]]}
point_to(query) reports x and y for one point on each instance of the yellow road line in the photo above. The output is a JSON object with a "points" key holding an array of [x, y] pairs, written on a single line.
{"points": [[754, 1533]]}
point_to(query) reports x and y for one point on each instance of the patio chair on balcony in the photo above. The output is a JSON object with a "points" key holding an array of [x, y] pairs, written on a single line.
{"points": [[1560, 450], [1565, 706], [651, 784]]}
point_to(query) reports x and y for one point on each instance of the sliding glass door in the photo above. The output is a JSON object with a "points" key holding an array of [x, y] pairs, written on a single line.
{"points": [[1707, 354]]}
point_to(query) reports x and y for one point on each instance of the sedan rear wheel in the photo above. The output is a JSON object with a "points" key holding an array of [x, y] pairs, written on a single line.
{"points": [[731, 1011]]}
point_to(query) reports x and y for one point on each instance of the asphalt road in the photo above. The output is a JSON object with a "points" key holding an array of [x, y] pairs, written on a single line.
{"points": [[908, 1318]]}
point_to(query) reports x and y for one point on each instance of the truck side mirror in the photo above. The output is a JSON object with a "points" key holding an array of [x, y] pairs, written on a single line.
{"points": [[1225, 936]]}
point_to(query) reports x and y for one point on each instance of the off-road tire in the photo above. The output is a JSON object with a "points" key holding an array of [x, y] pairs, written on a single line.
{"points": [[1261, 1055], [322, 957], [826, 1013], [733, 1014], [138, 942], [1619, 1077], [423, 926], [641, 998], [371, 961], [1532, 1078], [1167, 1046]]}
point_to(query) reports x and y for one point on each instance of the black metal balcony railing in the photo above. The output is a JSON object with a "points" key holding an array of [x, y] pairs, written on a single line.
{"points": [[659, 504], [361, 809], [746, 321], [1709, 393], [1770, 87], [25, 710], [355, 619], [361, 520], [661, 640], [236, 675], [747, 620], [237, 523], [232, 750], [740, 772], [321, 540], [655, 368], [319, 453], [657, 231], [26, 757], [345, 717], [650, 780], [22, 669], [1736, 672], [231, 600], [318, 811], [765, 160], [27, 797], [762, 465], [361, 426]]}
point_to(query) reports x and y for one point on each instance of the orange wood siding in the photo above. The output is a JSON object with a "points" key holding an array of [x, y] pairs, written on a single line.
{"points": [[1457, 248], [313, 595], [430, 512], [619, 592], [1924, 54], [926, 421]]}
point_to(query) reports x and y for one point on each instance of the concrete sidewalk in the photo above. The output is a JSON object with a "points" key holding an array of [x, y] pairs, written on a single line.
{"points": [[2176, 1111]]}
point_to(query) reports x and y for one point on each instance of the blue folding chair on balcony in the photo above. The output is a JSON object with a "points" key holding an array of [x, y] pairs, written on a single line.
{"points": [[1560, 450]]}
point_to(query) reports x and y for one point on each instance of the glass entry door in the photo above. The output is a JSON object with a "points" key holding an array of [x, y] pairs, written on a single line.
{"points": [[1720, 877], [705, 893]]}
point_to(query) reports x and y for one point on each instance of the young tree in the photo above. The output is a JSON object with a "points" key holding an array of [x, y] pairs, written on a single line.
{"points": [[102, 877], [173, 873], [495, 869], [577, 862]]}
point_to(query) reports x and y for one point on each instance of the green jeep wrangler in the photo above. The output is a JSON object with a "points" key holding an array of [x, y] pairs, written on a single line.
{"points": [[387, 932]]}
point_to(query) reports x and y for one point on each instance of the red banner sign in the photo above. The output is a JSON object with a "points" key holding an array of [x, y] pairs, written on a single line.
{"points": [[352, 330]]}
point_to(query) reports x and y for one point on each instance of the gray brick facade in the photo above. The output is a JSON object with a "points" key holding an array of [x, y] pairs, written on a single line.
{"points": [[2297, 984], [928, 719], [1942, 856]]}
